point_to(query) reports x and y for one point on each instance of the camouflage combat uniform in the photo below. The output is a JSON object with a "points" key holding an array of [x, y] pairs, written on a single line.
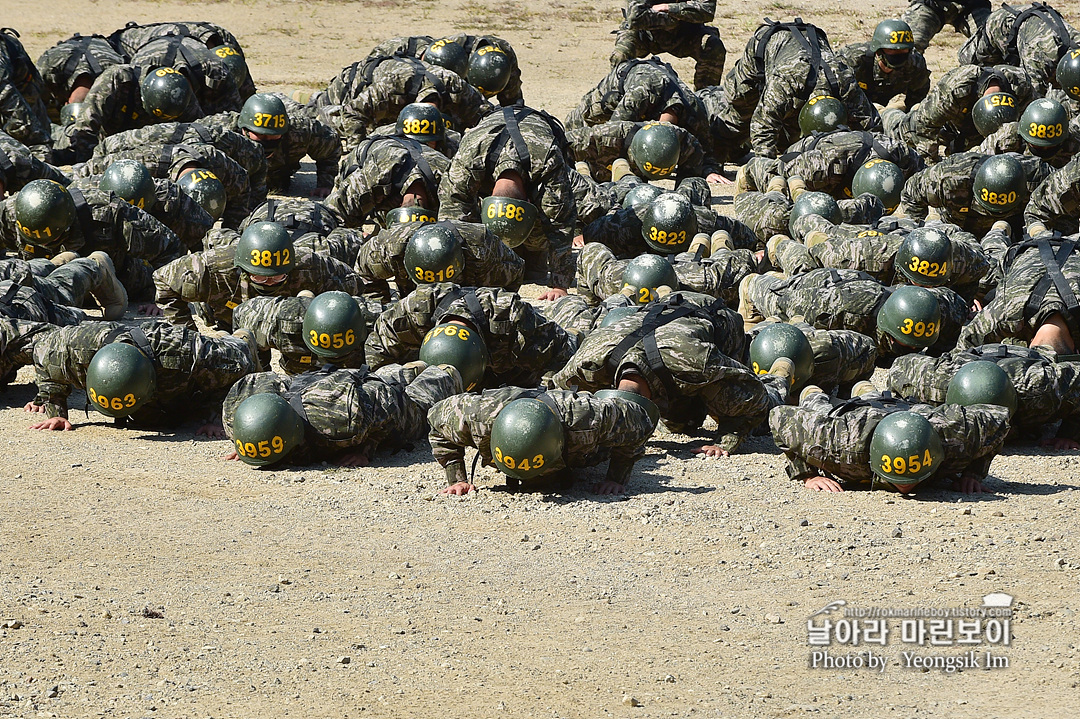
{"points": [[211, 277], [1007, 138], [58, 292], [29, 303], [1056, 201], [680, 30], [827, 438], [600, 145], [353, 409], [307, 135], [1028, 294], [193, 371], [136, 242], [19, 165], [767, 213], [522, 344], [210, 79], [600, 274], [948, 187], [769, 85], [696, 373], [594, 431], [579, 315], [378, 171], [944, 117], [1047, 389], [729, 134], [912, 79], [69, 60], [17, 338], [1033, 40], [928, 17], [298, 215], [22, 111], [487, 151], [841, 357], [488, 262]]}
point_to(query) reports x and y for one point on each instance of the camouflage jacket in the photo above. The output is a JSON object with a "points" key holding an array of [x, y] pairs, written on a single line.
{"points": [[353, 409], [820, 438], [22, 112], [638, 14], [594, 430], [27, 302], [600, 145], [912, 79], [193, 371], [18, 166], [17, 338], [68, 60], [210, 78], [1056, 201], [1007, 138], [841, 357]]}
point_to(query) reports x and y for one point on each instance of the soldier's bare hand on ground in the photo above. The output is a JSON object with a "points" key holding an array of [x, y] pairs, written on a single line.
{"points": [[231, 457], [976, 306], [823, 484], [578, 242], [321, 192], [1060, 443], [212, 430], [608, 487], [712, 450], [458, 489], [553, 294], [661, 8], [354, 459], [968, 485], [716, 178], [54, 424], [148, 309], [31, 407]]}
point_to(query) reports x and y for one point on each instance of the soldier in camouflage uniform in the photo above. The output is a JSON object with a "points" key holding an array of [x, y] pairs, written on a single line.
{"points": [[1047, 387], [880, 82], [69, 68], [600, 145], [579, 315], [211, 79], [827, 443], [848, 300], [55, 292], [351, 414], [307, 135], [136, 242], [278, 323], [1055, 202], [113, 104], [928, 17], [768, 86], [841, 357], [1033, 36], [594, 430], [19, 165], [489, 158], [691, 371], [650, 27], [600, 274], [193, 371], [488, 262], [1008, 138], [944, 117], [522, 344], [384, 172], [1035, 301], [767, 214], [22, 112], [17, 338], [298, 215], [211, 277]]}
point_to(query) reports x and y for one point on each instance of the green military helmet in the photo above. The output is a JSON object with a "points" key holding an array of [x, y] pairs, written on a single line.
{"points": [[911, 316], [1000, 186], [69, 112], [882, 179], [924, 257], [1044, 123], [206, 189], [265, 428], [264, 114], [489, 70], [615, 314], [334, 325], [892, 34], [981, 382], [650, 406], [645, 273], [527, 439], [265, 248], [508, 218], [654, 150], [1068, 73], [641, 194], [446, 53], [166, 93], [779, 339], [406, 215], [434, 254], [994, 110], [44, 211], [422, 122], [669, 223], [120, 379], [130, 180], [234, 61], [905, 449], [822, 113], [814, 203], [460, 346]]}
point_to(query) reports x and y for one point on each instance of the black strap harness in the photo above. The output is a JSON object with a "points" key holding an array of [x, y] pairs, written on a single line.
{"points": [[811, 38]]}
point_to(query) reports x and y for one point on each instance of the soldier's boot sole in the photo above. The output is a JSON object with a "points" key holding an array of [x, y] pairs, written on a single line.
{"points": [[742, 181], [809, 391], [620, 169], [248, 337], [750, 314], [863, 387], [301, 96], [109, 292], [63, 258], [773, 245]]}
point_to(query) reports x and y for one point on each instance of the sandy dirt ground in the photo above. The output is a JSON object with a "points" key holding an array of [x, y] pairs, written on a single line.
{"points": [[143, 576]]}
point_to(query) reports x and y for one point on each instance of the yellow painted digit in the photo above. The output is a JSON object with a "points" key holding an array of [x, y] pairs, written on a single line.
{"points": [[886, 463]]}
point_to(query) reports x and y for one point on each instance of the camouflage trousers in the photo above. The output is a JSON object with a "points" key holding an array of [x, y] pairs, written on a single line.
{"points": [[841, 357], [68, 287], [928, 17], [849, 300], [699, 41]]}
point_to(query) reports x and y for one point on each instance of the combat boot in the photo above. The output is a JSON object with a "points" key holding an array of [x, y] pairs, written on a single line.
{"points": [[108, 292]]}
